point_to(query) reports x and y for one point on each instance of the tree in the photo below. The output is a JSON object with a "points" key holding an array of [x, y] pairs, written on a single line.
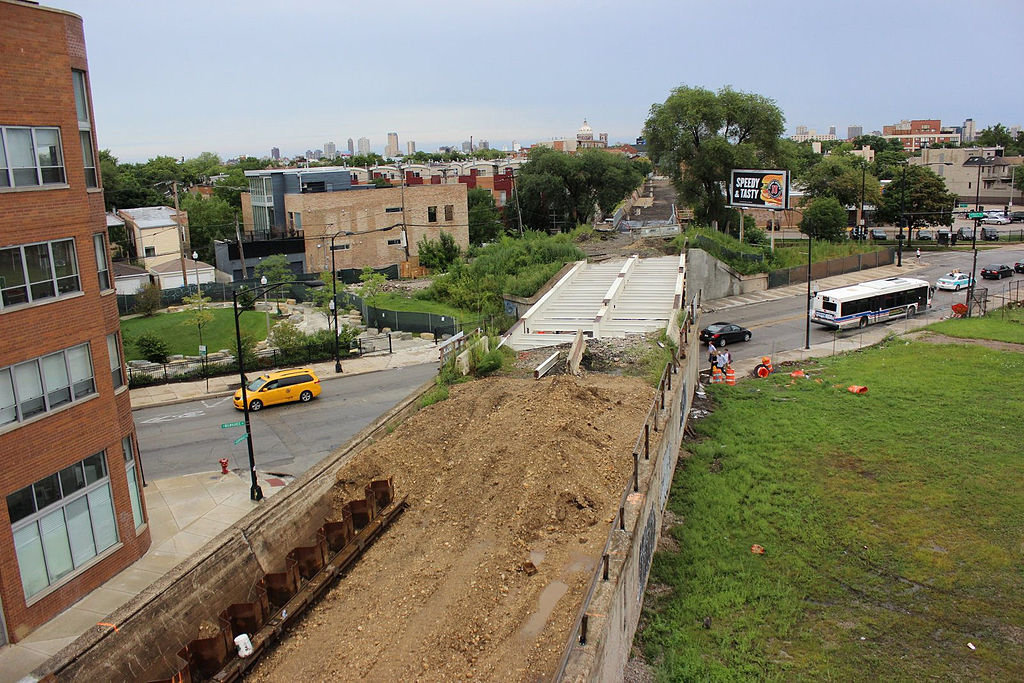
{"points": [[824, 219], [438, 254], [484, 224], [149, 299], [926, 199], [1018, 177], [199, 168], [275, 268], [373, 284], [199, 313], [999, 136], [230, 188], [208, 220], [841, 177], [697, 137]]}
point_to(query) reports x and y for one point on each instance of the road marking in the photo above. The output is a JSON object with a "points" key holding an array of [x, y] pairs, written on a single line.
{"points": [[172, 418], [214, 403]]}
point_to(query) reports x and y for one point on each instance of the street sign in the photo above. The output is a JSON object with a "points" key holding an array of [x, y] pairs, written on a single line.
{"points": [[242, 438], [202, 350], [227, 425], [976, 214]]}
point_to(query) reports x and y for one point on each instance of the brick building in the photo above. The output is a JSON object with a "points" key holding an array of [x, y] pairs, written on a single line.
{"points": [[386, 223], [920, 133], [75, 512]]}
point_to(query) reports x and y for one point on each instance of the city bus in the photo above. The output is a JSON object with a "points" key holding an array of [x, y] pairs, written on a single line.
{"points": [[871, 302]]}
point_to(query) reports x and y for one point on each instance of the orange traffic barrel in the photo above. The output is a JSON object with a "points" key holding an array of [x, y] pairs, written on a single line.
{"points": [[762, 370], [856, 389], [730, 376], [716, 376], [767, 362]]}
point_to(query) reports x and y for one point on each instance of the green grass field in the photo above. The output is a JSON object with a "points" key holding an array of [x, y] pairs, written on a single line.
{"points": [[182, 337], [892, 522], [1004, 324], [392, 301]]}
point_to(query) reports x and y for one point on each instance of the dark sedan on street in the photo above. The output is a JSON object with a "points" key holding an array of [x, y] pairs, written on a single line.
{"points": [[1019, 266], [996, 271], [724, 333]]}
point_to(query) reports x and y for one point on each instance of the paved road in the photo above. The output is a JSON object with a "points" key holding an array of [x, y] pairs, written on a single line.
{"points": [[780, 324], [186, 438]]}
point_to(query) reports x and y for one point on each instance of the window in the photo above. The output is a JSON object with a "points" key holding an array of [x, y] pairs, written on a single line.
{"points": [[114, 353], [30, 156], [102, 267], [45, 383], [84, 126], [133, 481], [340, 247], [61, 522], [431, 214], [150, 251], [392, 209], [33, 272], [449, 212], [395, 242]]}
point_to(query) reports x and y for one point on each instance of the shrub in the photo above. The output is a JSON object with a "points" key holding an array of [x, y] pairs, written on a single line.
{"points": [[149, 300], [438, 393], [288, 338], [153, 348], [490, 362]]}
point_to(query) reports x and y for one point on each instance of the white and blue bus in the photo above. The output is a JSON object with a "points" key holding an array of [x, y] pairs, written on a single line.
{"points": [[871, 302]]}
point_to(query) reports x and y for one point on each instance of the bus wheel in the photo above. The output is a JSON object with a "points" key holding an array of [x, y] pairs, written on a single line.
{"points": [[863, 322], [911, 311]]}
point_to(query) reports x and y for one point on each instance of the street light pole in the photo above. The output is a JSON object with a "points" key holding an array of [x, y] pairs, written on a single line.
{"points": [[202, 349], [255, 492], [334, 303], [903, 217], [807, 334]]}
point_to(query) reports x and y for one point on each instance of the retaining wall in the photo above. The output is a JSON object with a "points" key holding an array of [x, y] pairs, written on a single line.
{"points": [[600, 643], [716, 279], [153, 626]]}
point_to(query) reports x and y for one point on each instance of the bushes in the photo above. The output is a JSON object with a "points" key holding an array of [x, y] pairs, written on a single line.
{"points": [[153, 348]]}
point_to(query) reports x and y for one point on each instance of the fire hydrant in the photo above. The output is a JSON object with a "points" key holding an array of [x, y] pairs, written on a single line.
{"points": [[223, 465]]}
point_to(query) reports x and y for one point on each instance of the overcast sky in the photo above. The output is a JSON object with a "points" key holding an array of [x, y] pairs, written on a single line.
{"points": [[179, 78]]}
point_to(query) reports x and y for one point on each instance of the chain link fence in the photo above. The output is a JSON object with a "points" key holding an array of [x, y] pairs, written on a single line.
{"points": [[217, 291], [838, 266]]}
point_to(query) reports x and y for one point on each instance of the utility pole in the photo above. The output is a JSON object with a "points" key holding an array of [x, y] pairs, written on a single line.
{"points": [[515, 190], [181, 238], [241, 252]]}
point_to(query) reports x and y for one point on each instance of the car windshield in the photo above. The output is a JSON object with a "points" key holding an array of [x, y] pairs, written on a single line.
{"points": [[717, 327], [257, 383], [994, 266]]}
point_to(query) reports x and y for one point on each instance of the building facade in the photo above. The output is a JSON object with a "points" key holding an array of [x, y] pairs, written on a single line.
{"points": [[853, 132], [392, 149], [75, 512], [920, 133], [988, 183], [330, 150], [351, 147], [156, 234], [364, 145]]}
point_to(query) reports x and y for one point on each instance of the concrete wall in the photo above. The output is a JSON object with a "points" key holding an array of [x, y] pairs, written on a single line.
{"points": [[154, 625], [613, 610], [714, 279]]}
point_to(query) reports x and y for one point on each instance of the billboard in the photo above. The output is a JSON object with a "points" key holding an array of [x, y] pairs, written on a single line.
{"points": [[754, 189]]}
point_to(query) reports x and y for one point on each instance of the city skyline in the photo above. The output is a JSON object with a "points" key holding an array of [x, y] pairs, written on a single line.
{"points": [[188, 100]]}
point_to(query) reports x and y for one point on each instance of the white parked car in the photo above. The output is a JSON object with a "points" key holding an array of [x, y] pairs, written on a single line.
{"points": [[995, 219], [954, 281]]}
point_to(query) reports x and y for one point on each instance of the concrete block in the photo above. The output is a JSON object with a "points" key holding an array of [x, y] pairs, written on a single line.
{"points": [[385, 330], [427, 335], [372, 330]]}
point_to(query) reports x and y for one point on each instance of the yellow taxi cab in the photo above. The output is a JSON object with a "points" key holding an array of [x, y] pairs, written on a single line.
{"points": [[281, 386]]}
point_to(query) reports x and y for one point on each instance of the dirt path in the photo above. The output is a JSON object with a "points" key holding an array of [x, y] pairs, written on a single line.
{"points": [[504, 472], [936, 338]]}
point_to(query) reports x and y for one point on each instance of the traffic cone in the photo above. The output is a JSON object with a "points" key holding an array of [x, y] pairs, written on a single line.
{"points": [[716, 376], [767, 362]]}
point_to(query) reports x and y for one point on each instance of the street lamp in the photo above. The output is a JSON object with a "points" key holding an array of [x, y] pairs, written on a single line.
{"points": [[807, 334], [333, 303], [255, 492], [979, 162], [199, 292]]}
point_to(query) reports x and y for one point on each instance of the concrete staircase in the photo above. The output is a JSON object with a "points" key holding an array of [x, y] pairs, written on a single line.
{"points": [[608, 299]]}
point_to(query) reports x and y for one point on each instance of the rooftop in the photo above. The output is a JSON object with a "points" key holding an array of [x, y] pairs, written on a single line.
{"points": [[150, 216]]}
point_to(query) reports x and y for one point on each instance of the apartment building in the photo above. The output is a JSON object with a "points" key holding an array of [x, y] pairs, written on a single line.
{"points": [[988, 182], [370, 226], [156, 234], [919, 133], [75, 513]]}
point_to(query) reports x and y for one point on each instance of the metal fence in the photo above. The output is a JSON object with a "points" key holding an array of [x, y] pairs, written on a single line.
{"points": [[409, 321], [216, 365], [217, 291], [822, 269], [724, 253]]}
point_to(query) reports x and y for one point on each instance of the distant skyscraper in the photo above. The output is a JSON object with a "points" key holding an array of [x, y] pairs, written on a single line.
{"points": [[330, 150], [410, 147], [392, 149], [801, 130], [364, 146], [275, 153], [484, 145], [309, 154], [854, 132], [969, 134], [351, 147], [515, 146], [467, 147], [831, 130]]}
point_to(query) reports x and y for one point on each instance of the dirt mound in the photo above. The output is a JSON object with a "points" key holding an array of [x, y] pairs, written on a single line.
{"points": [[504, 472]]}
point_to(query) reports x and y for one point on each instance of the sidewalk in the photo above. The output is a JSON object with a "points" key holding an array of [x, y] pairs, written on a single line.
{"points": [[183, 512]]}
